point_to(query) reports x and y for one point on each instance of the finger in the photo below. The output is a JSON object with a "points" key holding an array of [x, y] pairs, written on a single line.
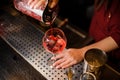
{"points": [[40, 3], [33, 3], [53, 4], [62, 64], [68, 65], [59, 56], [58, 62], [30, 1]]}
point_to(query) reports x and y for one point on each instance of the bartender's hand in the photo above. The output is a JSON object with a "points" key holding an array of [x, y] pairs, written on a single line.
{"points": [[68, 58], [36, 3]]}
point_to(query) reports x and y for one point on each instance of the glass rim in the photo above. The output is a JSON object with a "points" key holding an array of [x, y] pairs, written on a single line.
{"points": [[88, 73]]}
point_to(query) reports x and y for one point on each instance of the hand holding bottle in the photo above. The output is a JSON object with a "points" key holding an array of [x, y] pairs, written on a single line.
{"points": [[43, 10]]}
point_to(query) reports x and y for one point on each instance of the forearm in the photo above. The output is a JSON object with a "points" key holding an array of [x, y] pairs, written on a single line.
{"points": [[107, 45]]}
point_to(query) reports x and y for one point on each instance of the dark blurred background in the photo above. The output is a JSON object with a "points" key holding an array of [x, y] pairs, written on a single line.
{"points": [[78, 12]]}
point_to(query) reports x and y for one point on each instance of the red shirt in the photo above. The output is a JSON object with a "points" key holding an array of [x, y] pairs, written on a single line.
{"points": [[107, 23]]}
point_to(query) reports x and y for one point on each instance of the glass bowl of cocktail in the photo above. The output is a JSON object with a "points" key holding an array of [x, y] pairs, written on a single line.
{"points": [[54, 42]]}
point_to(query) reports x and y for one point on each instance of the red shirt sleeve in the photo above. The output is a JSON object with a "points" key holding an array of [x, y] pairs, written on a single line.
{"points": [[106, 23], [114, 27]]}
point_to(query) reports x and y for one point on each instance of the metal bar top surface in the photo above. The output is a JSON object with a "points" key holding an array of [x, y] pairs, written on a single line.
{"points": [[26, 40]]}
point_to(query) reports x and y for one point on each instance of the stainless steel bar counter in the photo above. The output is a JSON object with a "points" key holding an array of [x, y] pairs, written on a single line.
{"points": [[26, 40]]}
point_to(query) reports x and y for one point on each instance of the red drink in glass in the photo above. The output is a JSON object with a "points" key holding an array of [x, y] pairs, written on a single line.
{"points": [[54, 44]]}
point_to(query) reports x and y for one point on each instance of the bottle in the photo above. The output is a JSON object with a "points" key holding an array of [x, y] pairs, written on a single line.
{"points": [[46, 13], [50, 12]]}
